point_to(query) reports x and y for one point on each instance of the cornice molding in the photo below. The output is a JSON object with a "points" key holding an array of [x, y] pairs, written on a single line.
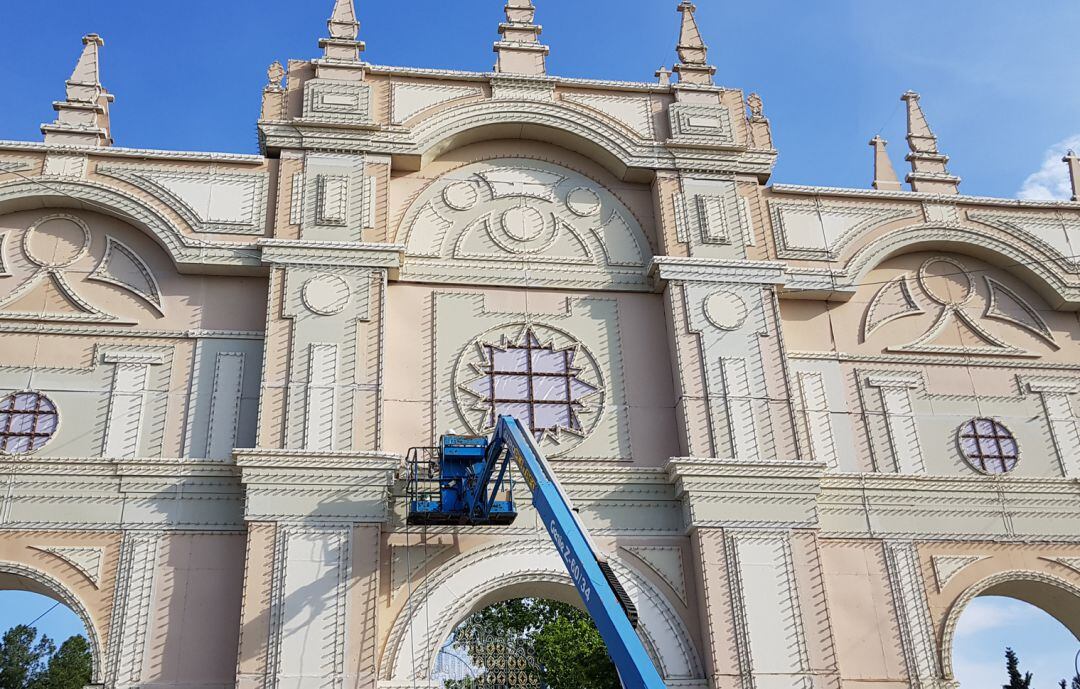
{"points": [[667, 268], [352, 254], [138, 153], [913, 196]]}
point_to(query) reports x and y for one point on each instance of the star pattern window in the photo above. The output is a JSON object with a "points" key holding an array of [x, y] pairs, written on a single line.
{"points": [[28, 421], [988, 446], [553, 389]]}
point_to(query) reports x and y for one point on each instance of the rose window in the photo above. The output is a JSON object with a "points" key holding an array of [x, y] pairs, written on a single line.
{"points": [[544, 379], [28, 420], [988, 446]]}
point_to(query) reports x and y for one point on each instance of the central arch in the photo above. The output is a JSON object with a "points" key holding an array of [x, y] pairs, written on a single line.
{"points": [[507, 570], [1055, 596], [19, 577]]}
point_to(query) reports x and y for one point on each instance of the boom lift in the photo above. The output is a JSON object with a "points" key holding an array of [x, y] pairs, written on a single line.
{"points": [[466, 481]]}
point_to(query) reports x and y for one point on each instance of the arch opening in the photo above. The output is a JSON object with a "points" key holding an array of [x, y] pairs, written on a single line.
{"points": [[1035, 615], [513, 570], [70, 657], [526, 643]]}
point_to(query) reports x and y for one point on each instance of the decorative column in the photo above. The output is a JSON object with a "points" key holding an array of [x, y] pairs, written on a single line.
{"points": [[311, 580], [757, 572], [322, 387], [908, 587], [127, 647], [732, 396]]}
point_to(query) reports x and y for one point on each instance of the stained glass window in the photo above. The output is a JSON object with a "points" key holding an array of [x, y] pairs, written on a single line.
{"points": [[27, 421], [536, 383], [988, 446]]}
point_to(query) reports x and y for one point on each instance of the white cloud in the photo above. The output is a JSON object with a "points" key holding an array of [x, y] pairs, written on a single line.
{"points": [[1051, 182], [984, 614]]}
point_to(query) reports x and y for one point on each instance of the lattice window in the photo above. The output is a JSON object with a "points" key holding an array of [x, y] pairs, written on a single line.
{"points": [[28, 420], [988, 446], [536, 383]]}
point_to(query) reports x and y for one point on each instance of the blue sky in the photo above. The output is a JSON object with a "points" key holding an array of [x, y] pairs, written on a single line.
{"points": [[997, 77]]}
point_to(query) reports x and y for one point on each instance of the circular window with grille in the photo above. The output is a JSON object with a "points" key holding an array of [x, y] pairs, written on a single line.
{"points": [[28, 420], [988, 446]]}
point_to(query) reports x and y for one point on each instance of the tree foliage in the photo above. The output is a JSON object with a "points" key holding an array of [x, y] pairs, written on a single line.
{"points": [[27, 662], [563, 639], [1016, 679]]}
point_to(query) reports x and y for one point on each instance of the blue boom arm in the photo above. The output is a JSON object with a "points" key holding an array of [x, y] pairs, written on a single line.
{"points": [[604, 598]]}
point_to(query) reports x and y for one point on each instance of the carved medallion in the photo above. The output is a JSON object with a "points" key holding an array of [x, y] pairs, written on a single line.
{"points": [[326, 295]]}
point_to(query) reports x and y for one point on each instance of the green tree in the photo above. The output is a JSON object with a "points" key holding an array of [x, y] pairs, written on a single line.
{"points": [[563, 639], [1016, 679], [27, 662], [68, 668], [23, 657]]}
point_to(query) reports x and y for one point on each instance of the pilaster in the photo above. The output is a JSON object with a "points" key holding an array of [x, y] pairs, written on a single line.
{"points": [[733, 399]]}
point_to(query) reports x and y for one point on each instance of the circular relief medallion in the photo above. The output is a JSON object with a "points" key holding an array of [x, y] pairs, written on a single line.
{"points": [[726, 310], [946, 281], [538, 374], [523, 223], [57, 241], [326, 295], [583, 202], [461, 196]]}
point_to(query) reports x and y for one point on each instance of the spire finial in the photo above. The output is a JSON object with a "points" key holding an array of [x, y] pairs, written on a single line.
{"points": [[519, 49], [1073, 162], [885, 178], [693, 67], [84, 115], [344, 28], [928, 165]]}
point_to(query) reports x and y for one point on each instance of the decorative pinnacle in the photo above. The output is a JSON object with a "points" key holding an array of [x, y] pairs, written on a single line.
{"points": [[344, 28], [87, 71], [885, 178], [275, 74], [693, 67], [1073, 161], [343, 24], [83, 117], [519, 48], [929, 171]]}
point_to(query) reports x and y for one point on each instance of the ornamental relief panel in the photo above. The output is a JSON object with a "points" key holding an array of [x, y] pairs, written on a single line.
{"points": [[559, 373], [57, 270], [949, 304], [523, 222]]}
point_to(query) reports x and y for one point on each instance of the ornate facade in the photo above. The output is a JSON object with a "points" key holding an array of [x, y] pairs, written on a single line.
{"points": [[807, 424]]}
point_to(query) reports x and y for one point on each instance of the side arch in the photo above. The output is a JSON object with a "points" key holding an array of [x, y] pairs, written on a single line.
{"points": [[617, 150], [188, 254], [474, 580], [1053, 595], [19, 577], [1039, 267]]}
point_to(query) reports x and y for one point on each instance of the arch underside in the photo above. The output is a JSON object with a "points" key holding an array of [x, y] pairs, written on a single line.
{"points": [[621, 152], [1053, 595], [513, 570], [18, 577]]}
